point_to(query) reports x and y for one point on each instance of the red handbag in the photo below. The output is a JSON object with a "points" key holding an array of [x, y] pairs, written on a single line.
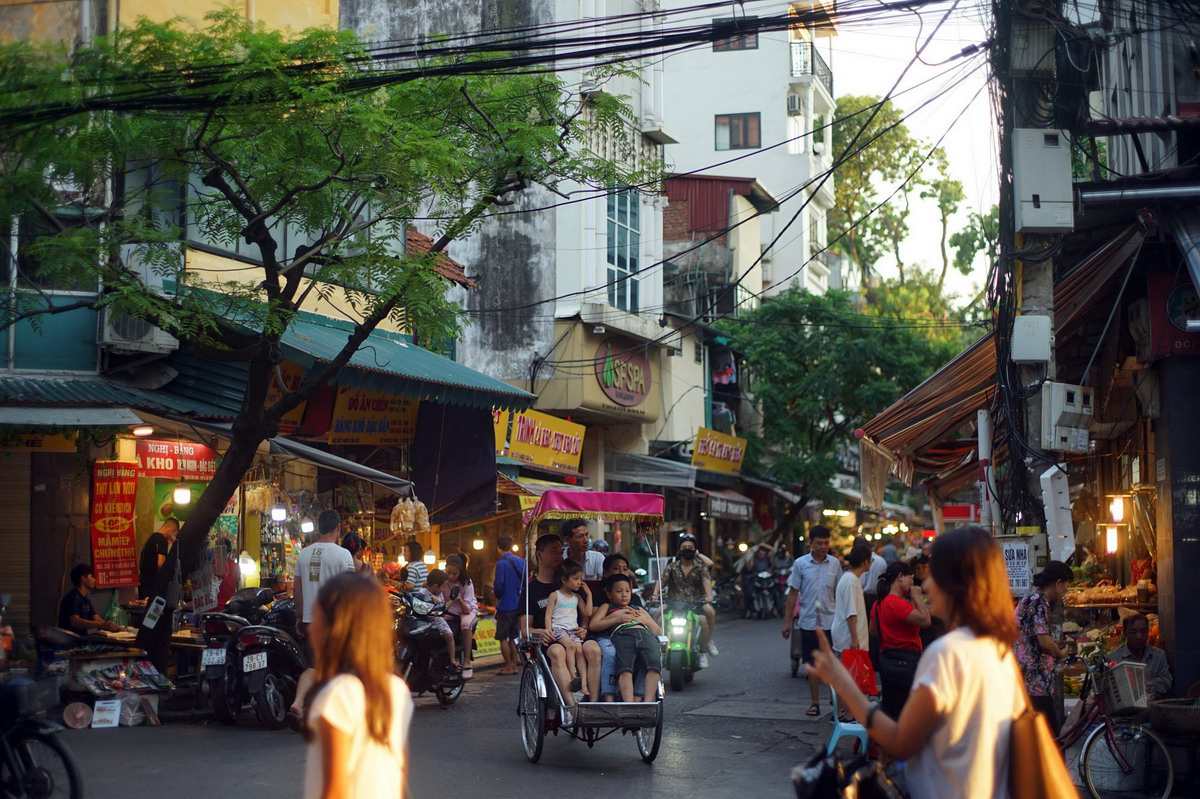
{"points": [[858, 663]]}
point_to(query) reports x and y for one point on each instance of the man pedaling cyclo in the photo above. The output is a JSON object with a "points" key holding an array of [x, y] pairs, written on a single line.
{"points": [[687, 579]]}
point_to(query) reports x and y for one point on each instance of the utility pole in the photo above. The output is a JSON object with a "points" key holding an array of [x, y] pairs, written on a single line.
{"points": [[1024, 63]]}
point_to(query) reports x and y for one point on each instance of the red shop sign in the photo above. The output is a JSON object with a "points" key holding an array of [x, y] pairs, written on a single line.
{"points": [[114, 547], [178, 460]]}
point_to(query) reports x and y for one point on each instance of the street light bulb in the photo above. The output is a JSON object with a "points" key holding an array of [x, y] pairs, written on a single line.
{"points": [[442, 565], [477, 543], [143, 430], [516, 548], [1117, 509], [182, 494], [742, 547], [278, 513], [307, 526], [246, 564], [430, 558], [1110, 539]]}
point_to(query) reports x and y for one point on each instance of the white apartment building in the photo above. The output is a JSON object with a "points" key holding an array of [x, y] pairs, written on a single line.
{"points": [[751, 107]]}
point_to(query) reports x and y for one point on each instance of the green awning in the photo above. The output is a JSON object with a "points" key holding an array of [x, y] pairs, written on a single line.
{"points": [[96, 392], [391, 362]]}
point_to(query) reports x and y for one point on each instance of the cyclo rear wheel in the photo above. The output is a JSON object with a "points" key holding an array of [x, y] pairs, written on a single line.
{"points": [[648, 739], [50, 768], [533, 714]]}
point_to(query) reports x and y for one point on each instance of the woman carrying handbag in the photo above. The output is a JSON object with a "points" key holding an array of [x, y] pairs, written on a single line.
{"points": [[967, 718]]}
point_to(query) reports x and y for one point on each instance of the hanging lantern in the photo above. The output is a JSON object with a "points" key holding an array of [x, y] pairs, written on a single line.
{"points": [[1110, 539], [182, 494], [1117, 509], [278, 513], [307, 526], [430, 558]]}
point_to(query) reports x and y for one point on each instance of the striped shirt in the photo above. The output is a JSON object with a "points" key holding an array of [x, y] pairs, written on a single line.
{"points": [[418, 573]]}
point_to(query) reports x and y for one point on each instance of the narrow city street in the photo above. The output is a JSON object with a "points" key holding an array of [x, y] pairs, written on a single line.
{"points": [[738, 727]]}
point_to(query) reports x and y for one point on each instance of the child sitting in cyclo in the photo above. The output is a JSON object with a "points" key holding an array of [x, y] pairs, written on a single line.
{"points": [[431, 592], [635, 636], [567, 608]]}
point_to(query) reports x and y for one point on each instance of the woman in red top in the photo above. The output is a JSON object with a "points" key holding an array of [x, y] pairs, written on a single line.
{"points": [[898, 617]]}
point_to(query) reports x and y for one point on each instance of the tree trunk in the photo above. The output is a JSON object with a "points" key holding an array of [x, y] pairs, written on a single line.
{"points": [[945, 254]]}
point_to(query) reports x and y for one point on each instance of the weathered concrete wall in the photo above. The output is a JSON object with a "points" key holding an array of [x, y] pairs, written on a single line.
{"points": [[511, 257], [46, 20]]}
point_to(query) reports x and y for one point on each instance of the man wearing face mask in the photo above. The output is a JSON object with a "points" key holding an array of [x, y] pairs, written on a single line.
{"points": [[687, 579]]}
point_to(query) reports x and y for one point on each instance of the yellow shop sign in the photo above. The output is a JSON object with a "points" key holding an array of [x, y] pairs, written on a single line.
{"points": [[718, 452], [540, 439]]}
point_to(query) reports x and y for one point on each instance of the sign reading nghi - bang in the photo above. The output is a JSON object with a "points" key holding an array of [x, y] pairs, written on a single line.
{"points": [[718, 452]]}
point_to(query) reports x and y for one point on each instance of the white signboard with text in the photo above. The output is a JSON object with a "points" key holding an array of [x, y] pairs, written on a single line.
{"points": [[1019, 564]]}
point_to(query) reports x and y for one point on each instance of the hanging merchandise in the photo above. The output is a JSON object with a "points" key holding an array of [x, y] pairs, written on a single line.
{"points": [[409, 516]]}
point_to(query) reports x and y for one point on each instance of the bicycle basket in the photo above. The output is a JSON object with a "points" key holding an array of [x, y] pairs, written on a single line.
{"points": [[1123, 687]]}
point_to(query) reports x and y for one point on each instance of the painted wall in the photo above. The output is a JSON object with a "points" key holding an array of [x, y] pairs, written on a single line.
{"points": [[287, 14]]}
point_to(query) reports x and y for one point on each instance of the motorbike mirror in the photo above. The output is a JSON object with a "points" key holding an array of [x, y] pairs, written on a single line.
{"points": [[454, 592]]}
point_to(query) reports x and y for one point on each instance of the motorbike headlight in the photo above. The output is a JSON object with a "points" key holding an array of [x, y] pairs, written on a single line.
{"points": [[678, 624], [422, 607]]}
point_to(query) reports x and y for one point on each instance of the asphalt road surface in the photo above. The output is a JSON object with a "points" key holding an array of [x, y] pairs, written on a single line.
{"points": [[737, 729]]}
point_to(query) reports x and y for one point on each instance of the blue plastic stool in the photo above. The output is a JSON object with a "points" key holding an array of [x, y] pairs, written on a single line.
{"points": [[845, 729]]}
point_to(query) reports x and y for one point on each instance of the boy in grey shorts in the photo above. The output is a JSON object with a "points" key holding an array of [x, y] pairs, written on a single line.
{"points": [[634, 634]]}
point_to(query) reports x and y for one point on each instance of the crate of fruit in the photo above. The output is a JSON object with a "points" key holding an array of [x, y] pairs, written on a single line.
{"points": [[1123, 686]]}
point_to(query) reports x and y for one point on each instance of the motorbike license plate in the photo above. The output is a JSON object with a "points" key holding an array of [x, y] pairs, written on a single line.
{"points": [[213, 657], [254, 662]]}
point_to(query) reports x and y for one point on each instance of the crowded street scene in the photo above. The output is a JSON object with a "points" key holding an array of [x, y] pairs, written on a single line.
{"points": [[773, 398]]}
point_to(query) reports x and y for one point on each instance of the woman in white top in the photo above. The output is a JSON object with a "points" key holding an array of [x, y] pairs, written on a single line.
{"points": [[357, 721], [954, 729]]}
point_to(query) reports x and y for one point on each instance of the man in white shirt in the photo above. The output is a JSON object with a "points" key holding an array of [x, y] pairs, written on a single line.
{"points": [[316, 564], [849, 609], [575, 538], [813, 579]]}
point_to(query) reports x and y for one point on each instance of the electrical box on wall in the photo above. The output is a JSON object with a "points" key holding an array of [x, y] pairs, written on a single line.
{"points": [[1044, 199], [1031, 339], [1066, 414], [1056, 499]]}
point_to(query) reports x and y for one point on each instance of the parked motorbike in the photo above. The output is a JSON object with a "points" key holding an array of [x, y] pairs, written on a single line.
{"points": [[421, 655], [271, 661], [781, 589], [682, 656], [727, 594], [34, 761], [222, 667], [761, 602]]}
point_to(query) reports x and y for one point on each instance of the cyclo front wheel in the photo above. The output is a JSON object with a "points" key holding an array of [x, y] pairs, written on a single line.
{"points": [[48, 765], [1131, 762], [533, 714], [675, 666]]}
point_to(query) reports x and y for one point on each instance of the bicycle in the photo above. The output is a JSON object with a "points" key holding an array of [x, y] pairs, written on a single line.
{"points": [[1119, 757]]}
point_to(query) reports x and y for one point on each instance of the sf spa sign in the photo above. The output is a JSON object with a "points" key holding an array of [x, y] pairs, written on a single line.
{"points": [[114, 546], [623, 371]]}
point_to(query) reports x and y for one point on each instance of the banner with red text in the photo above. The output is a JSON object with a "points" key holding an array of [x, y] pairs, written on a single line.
{"points": [[177, 460], [114, 547]]}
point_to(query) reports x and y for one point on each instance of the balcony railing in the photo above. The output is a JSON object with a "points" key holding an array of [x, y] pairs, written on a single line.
{"points": [[807, 60]]}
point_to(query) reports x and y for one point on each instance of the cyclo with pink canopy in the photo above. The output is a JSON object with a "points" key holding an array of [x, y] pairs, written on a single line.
{"points": [[542, 707]]}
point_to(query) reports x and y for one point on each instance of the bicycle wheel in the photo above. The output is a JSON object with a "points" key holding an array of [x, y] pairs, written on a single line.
{"points": [[50, 768], [533, 714], [1129, 762]]}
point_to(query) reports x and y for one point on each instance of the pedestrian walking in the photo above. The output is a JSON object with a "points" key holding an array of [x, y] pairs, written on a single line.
{"points": [[810, 601], [1035, 648], [954, 732], [506, 585], [899, 617], [316, 565], [357, 722]]}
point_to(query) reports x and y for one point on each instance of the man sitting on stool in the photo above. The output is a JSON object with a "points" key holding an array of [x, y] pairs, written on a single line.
{"points": [[1137, 650], [75, 612]]}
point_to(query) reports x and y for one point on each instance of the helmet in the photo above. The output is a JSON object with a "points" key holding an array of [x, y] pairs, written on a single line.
{"points": [[600, 545], [687, 537]]}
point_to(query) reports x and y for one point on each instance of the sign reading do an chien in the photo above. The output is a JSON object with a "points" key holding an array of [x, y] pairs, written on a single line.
{"points": [[718, 452]]}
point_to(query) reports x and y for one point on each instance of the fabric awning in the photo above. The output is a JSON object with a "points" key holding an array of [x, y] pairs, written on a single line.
{"points": [[934, 409], [286, 446], [1079, 288], [729, 505], [390, 362], [318, 457], [647, 470], [779, 490]]}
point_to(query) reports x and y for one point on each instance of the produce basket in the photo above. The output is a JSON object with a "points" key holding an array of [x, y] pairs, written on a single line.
{"points": [[1175, 717], [1123, 687]]}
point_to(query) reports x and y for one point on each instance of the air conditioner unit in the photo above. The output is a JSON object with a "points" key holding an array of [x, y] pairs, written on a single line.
{"points": [[124, 333], [794, 107]]}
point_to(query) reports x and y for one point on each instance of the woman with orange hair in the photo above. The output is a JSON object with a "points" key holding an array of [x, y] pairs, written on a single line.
{"points": [[954, 730], [357, 722]]}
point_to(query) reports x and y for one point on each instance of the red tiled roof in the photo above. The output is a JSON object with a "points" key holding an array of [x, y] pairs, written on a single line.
{"points": [[418, 244]]}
